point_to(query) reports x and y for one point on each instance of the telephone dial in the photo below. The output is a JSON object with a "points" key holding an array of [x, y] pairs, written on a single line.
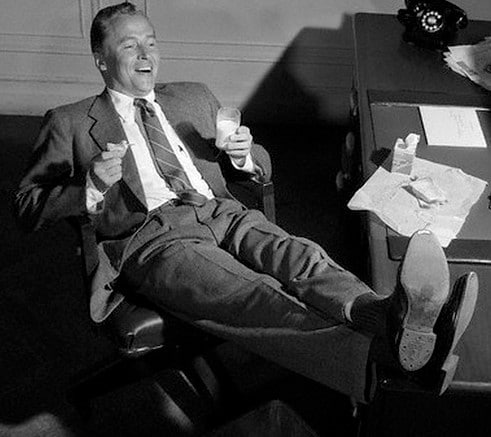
{"points": [[432, 23]]}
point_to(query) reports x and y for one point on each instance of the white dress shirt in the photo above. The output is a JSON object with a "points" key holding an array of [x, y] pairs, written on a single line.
{"points": [[155, 189]]}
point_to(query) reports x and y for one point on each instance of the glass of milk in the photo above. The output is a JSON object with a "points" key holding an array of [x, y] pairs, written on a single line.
{"points": [[228, 120]]}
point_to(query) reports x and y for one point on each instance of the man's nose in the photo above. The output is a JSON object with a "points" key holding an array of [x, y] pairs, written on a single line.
{"points": [[142, 51]]}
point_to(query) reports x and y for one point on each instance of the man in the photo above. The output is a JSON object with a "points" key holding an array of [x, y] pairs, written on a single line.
{"points": [[140, 161]]}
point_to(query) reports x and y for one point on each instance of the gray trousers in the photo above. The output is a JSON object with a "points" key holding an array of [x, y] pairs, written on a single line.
{"points": [[229, 271]]}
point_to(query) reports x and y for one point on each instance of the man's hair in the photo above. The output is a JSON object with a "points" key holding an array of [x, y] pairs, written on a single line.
{"points": [[103, 19]]}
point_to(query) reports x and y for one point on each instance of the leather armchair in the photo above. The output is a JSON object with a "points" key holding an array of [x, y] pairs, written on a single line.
{"points": [[149, 340], [135, 327]]}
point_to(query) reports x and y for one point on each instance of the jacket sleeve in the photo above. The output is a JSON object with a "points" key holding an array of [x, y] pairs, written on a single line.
{"points": [[51, 188]]}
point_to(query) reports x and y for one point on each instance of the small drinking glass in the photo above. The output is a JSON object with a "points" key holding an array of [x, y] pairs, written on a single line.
{"points": [[228, 120]]}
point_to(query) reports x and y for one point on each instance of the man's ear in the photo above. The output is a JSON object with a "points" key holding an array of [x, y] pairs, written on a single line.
{"points": [[99, 63]]}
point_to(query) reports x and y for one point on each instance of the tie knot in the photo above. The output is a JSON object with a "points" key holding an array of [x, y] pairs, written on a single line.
{"points": [[145, 105]]}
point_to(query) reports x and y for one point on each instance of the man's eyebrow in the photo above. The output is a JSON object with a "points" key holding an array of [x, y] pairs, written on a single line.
{"points": [[124, 39]]}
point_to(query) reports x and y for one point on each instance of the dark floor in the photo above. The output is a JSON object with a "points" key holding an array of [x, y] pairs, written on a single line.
{"points": [[47, 339]]}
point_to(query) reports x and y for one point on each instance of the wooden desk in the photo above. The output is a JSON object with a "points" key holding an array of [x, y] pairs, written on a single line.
{"points": [[389, 70]]}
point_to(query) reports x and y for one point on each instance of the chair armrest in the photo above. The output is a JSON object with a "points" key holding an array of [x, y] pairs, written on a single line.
{"points": [[255, 195], [136, 329], [87, 247]]}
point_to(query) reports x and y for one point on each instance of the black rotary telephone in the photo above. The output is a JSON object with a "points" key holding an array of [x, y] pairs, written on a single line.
{"points": [[431, 23]]}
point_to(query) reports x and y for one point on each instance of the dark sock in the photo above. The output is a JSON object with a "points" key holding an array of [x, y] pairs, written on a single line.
{"points": [[369, 313], [381, 353]]}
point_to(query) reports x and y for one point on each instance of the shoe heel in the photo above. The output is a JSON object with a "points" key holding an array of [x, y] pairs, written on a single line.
{"points": [[447, 373], [415, 349]]}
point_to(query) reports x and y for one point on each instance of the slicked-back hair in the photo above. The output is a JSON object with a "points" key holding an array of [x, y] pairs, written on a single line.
{"points": [[103, 19]]}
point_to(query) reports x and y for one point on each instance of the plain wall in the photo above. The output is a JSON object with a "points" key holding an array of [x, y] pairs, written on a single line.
{"points": [[285, 60]]}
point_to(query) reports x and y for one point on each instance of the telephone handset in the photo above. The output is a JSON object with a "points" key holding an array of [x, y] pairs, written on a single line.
{"points": [[431, 23]]}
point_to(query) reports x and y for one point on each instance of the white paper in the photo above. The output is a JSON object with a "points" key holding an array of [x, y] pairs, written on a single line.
{"points": [[472, 61], [387, 196], [452, 126]]}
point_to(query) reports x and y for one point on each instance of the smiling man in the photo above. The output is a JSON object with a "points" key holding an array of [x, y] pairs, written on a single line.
{"points": [[140, 161], [127, 55]]}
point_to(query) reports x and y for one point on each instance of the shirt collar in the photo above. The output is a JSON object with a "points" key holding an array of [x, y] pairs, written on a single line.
{"points": [[124, 104]]}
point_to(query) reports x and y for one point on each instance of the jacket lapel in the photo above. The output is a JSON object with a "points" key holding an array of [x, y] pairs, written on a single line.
{"points": [[202, 154], [107, 128]]}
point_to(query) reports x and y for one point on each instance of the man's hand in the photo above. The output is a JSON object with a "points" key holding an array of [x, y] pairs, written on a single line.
{"points": [[238, 145], [106, 168]]}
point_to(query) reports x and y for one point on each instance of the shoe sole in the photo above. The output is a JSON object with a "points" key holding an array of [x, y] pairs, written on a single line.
{"points": [[425, 281], [465, 313]]}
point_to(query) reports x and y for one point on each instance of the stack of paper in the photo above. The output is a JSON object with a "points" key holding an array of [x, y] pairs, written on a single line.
{"points": [[472, 61]]}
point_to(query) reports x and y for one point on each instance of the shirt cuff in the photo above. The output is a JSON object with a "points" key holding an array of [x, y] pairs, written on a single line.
{"points": [[248, 166], [94, 197]]}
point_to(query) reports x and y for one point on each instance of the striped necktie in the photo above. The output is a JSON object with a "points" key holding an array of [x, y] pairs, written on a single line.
{"points": [[168, 165]]}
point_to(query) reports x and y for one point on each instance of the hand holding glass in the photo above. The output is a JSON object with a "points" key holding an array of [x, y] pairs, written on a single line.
{"points": [[228, 120]]}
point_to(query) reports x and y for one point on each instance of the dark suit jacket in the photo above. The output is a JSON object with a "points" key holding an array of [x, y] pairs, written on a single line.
{"points": [[53, 187]]}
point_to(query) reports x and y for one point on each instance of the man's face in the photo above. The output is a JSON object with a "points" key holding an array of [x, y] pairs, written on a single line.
{"points": [[129, 58]]}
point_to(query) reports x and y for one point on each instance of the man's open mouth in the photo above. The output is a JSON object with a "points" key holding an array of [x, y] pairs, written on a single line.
{"points": [[144, 70]]}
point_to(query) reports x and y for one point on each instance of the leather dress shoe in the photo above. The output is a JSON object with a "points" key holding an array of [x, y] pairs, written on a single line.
{"points": [[426, 321], [421, 293], [454, 318]]}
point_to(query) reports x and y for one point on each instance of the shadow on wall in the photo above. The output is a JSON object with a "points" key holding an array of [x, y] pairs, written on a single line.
{"points": [[310, 83]]}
